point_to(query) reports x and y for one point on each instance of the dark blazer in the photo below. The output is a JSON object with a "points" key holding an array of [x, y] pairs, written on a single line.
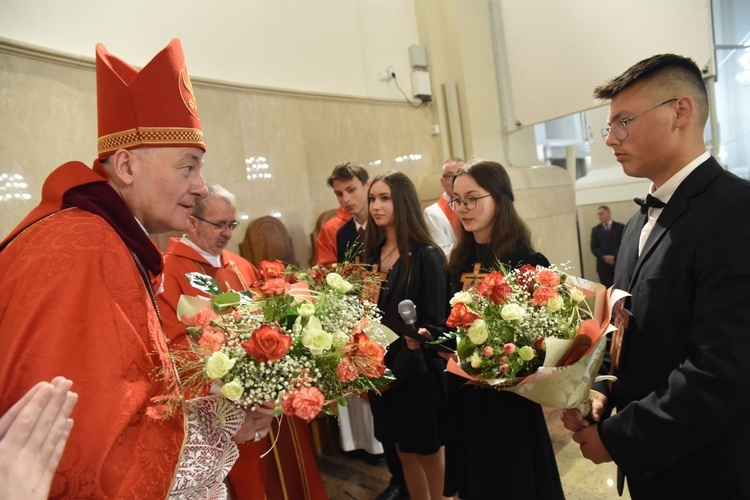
{"points": [[603, 243], [426, 286], [412, 411], [682, 429], [346, 236]]}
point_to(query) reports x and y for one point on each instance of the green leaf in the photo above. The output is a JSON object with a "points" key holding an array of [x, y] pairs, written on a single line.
{"points": [[465, 348], [277, 411], [204, 283], [225, 300]]}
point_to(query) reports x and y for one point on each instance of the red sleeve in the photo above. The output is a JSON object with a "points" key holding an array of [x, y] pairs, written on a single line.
{"points": [[325, 247]]}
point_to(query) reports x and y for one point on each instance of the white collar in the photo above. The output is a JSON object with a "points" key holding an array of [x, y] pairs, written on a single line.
{"points": [[666, 190], [214, 260]]}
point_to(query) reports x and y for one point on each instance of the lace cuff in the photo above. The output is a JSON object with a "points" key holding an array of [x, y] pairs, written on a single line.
{"points": [[209, 451]]}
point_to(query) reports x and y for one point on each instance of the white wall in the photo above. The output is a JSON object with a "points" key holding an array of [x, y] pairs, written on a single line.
{"points": [[321, 46]]}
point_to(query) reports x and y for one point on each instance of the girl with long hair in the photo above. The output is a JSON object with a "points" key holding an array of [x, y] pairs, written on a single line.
{"points": [[411, 412], [499, 446]]}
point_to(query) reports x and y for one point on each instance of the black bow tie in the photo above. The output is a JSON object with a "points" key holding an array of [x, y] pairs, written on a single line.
{"points": [[649, 202]]}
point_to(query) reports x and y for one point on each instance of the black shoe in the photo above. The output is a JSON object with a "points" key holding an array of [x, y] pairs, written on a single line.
{"points": [[394, 492], [375, 460]]}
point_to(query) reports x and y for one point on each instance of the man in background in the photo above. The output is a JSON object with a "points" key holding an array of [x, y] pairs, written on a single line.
{"points": [[350, 182], [442, 221], [682, 427], [605, 242], [204, 250]]}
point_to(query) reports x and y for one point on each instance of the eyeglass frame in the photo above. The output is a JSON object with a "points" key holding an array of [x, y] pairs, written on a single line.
{"points": [[605, 131], [455, 201], [231, 225]]}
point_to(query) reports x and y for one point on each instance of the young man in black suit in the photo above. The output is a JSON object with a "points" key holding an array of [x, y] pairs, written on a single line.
{"points": [[605, 242], [682, 427]]}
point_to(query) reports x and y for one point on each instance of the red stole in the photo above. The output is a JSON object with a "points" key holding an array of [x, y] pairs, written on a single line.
{"points": [[449, 213]]}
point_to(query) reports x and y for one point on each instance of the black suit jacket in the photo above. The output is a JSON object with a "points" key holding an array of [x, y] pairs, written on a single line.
{"points": [[346, 237], [606, 243], [682, 429]]}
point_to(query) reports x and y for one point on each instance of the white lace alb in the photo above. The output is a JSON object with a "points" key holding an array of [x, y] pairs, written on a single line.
{"points": [[209, 451]]}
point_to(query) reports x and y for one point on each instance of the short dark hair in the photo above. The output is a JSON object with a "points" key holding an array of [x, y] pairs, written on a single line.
{"points": [[678, 74], [348, 170], [605, 207]]}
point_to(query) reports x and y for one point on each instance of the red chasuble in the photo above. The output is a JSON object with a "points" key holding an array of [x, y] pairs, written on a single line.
{"points": [[73, 302]]}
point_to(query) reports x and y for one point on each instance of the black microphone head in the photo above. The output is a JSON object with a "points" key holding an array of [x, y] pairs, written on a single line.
{"points": [[408, 311]]}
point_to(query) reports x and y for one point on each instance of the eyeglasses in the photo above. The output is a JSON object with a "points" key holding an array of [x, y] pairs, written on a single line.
{"points": [[219, 226], [620, 127], [469, 203], [448, 176]]}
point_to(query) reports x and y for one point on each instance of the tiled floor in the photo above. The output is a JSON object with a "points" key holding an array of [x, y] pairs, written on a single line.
{"points": [[351, 478]]}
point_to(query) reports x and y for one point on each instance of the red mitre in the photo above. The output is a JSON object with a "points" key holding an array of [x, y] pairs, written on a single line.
{"points": [[153, 107]]}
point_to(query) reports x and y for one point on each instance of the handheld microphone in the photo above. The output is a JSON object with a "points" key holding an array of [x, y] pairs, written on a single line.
{"points": [[408, 312]]}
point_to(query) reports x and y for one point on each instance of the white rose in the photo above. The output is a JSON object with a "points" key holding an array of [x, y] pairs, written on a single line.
{"points": [[339, 339], [555, 303], [306, 310], [218, 365], [464, 297], [577, 295], [475, 360], [526, 353], [317, 340], [478, 332], [338, 283], [512, 312], [232, 390]]}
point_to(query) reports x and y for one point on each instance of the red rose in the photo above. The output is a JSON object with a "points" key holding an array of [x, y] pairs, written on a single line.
{"points": [[267, 344], [548, 277], [273, 269], [542, 294], [274, 286], [461, 316], [495, 288]]}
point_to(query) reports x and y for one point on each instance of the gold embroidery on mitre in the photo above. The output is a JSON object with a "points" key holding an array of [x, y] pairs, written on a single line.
{"points": [[149, 136], [186, 91]]}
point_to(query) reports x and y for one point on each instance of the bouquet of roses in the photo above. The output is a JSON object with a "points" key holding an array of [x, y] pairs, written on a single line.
{"points": [[532, 331], [297, 341]]}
